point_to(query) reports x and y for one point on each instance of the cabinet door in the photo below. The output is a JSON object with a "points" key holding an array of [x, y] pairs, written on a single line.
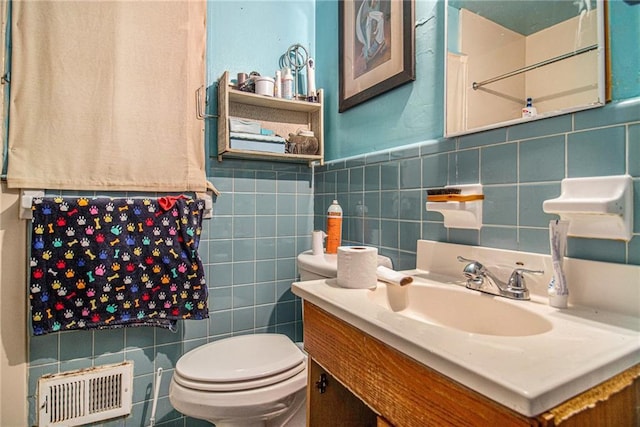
{"points": [[329, 403]]}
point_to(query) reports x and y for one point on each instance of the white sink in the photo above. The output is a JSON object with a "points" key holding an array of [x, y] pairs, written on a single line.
{"points": [[525, 355], [458, 308]]}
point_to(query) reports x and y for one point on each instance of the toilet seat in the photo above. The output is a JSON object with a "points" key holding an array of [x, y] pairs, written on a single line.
{"points": [[240, 363]]}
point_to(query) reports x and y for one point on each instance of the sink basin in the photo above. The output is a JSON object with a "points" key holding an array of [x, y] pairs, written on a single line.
{"points": [[459, 308]]}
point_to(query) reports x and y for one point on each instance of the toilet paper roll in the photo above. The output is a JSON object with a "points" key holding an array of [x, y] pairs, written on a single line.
{"points": [[317, 242], [357, 267]]}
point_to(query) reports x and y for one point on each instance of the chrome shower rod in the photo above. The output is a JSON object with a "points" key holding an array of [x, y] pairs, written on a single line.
{"points": [[586, 49]]}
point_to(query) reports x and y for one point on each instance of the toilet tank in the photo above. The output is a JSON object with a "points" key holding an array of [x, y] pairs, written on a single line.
{"points": [[325, 266]]}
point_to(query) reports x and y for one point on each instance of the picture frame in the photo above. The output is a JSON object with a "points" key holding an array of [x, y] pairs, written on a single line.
{"points": [[376, 48]]}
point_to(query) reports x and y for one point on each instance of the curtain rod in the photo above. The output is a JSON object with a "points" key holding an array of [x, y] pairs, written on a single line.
{"points": [[476, 85]]}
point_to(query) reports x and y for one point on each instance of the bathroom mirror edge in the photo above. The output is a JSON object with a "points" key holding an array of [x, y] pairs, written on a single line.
{"points": [[456, 122]]}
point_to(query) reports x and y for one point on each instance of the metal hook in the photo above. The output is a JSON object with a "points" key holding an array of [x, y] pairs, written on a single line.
{"points": [[199, 108]]}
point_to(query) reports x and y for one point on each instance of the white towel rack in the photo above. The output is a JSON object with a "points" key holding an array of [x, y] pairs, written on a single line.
{"points": [[26, 202]]}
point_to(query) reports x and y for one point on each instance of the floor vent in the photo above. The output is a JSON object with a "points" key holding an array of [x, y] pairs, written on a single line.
{"points": [[85, 396]]}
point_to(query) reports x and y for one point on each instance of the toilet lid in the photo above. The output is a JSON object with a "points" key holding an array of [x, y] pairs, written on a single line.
{"points": [[240, 363], [325, 265]]}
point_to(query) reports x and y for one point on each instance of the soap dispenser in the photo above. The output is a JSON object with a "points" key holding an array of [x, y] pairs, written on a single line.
{"points": [[529, 110]]}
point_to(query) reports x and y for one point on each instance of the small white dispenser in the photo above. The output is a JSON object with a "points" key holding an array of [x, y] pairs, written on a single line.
{"points": [[596, 207], [462, 210]]}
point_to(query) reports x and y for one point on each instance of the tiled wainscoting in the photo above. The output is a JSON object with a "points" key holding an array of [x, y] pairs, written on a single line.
{"points": [[383, 194]]}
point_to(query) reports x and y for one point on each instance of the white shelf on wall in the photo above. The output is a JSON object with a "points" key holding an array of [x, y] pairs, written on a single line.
{"points": [[463, 210], [596, 207]]}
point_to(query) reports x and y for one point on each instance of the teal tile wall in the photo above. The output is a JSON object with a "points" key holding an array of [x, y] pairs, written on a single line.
{"points": [[383, 193], [262, 220]]}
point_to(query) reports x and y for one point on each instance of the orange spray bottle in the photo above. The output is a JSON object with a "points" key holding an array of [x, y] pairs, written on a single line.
{"points": [[334, 227]]}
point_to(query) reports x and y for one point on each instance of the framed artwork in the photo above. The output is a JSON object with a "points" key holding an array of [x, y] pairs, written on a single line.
{"points": [[376, 50]]}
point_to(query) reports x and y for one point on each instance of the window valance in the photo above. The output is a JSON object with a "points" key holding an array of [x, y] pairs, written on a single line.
{"points": [[103, 95]]}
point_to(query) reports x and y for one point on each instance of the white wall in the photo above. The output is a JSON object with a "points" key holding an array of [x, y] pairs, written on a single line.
{"points": [[457, 71], [13, 310], [492, 50], [13, 301], [569, 82]]}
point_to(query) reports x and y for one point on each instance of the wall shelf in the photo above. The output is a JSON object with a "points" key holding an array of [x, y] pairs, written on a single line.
{"points": [[462, 210], [283, 116], [596, 207]]}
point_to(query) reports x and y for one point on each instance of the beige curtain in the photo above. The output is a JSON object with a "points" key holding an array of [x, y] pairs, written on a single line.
{"points": [[103, 95]]}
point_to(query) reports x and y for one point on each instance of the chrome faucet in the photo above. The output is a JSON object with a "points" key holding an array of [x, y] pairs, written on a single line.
{"points": [[479, 278]]}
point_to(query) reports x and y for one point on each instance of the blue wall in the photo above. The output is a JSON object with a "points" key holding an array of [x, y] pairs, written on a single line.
{"points": [[413, 113], [382, 156], [245, 36], [624, 29], [408, 114]]}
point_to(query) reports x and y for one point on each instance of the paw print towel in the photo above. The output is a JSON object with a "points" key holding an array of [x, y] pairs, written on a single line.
{"points": [[112, 262]]}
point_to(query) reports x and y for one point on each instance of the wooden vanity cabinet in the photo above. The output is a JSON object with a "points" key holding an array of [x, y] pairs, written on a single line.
{"points": [[367, 383], [331, 400]]}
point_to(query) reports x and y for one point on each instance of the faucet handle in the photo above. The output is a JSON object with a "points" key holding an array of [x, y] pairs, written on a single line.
{"points": [[473, 270], [463, 259], [472, 263], [517, 278]]}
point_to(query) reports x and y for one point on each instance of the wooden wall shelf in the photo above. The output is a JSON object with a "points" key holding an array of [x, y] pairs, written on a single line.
{"points": [[283, 116]]}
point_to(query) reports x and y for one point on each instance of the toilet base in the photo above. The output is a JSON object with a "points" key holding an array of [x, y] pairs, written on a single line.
{"points": [[295, 417], [262, 408]]}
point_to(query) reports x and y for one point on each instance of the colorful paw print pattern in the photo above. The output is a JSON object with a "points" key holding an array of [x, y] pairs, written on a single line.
{"points": [[104, 263]]}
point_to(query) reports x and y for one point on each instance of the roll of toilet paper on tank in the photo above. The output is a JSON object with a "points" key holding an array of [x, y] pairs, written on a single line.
{"points": [[357, 267]]}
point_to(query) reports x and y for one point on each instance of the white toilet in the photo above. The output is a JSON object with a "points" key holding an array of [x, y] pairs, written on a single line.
{"points": [[250, 380], [247, 380]]}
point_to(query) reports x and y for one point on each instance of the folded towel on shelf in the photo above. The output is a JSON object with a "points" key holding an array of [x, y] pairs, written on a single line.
{"points": [[264, 143], [244, 125], [254, 137], [113, 262]]}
